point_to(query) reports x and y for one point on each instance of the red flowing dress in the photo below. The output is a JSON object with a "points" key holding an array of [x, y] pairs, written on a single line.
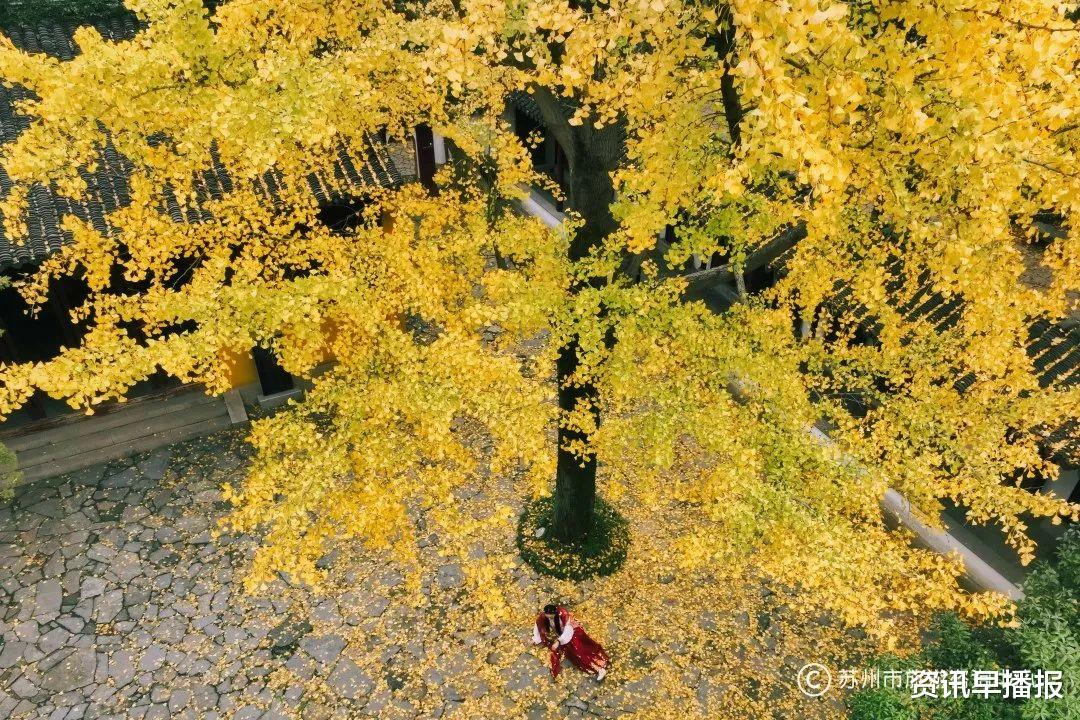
{"points": [[574, 642]]}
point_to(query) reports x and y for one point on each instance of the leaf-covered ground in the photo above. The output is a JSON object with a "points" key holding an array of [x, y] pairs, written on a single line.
{"points": [[119, 602]]}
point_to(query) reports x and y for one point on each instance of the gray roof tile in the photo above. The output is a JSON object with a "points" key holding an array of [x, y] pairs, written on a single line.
{"points": [[1054, 348], [108, 187]]}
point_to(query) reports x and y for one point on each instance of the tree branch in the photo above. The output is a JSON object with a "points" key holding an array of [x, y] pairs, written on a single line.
{"points": [[729, 94], [556, 120]]}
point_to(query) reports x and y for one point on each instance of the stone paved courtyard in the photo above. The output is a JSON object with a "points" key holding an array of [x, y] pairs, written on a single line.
{"points": [[120, 602], [116, 598]]}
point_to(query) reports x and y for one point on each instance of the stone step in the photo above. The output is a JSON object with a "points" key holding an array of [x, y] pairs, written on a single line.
{"points": [[94, 436], [117, 416], [65, 463]]}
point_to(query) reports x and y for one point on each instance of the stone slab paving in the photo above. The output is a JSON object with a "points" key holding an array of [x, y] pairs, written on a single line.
{"points": [[118, 601]]}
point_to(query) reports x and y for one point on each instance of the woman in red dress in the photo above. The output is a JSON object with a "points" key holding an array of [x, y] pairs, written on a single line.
{"points": [[560, 631]]}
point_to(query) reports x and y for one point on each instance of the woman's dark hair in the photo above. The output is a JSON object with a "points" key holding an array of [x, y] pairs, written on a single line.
{"points": [[552, 609]]}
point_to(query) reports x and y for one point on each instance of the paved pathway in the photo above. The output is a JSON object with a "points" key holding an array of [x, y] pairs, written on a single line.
{"points": [[118, 602]]}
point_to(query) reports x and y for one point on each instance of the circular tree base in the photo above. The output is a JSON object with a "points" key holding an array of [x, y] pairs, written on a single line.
{"points": [[602, 553]]}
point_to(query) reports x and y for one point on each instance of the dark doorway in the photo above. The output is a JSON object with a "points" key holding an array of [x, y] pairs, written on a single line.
{"points": [[39, 334], [524, 127], [272, 377]]}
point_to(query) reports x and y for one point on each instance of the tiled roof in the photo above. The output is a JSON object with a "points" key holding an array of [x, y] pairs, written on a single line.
{"points": [[1054, 348], [526, 104], [55, 38], [108, 184], [1055, 352], [367, 166]]}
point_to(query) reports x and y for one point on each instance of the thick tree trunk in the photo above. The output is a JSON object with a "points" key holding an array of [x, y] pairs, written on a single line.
{"points": [[591, 156], [575, 476]]}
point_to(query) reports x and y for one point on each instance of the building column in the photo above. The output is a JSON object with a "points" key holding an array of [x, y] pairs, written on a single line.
{"points": [[560, 172], [424, 140], [440, 148]]}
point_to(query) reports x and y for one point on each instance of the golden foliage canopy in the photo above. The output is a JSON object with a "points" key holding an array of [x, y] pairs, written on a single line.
{"points": [[913, 140]]}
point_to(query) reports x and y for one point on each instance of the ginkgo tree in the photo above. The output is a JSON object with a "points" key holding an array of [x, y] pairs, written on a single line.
{"points": [[875, 153]]}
